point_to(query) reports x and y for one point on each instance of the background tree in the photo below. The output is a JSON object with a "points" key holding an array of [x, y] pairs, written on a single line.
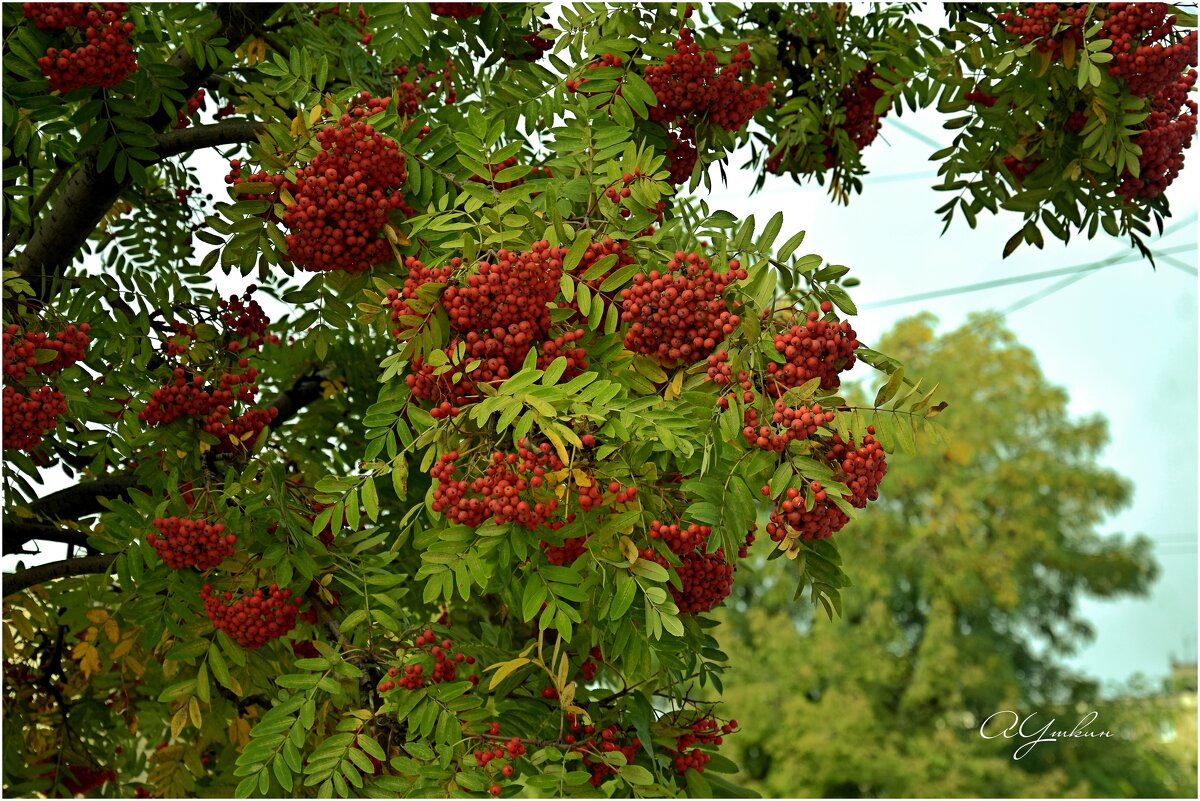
{"points": [[453, 520], [966, 586]]}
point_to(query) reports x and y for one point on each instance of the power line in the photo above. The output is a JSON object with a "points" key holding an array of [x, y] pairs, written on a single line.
{"points": [[1179, 265], [915, 134], [1044, 293], [1122, 258]]}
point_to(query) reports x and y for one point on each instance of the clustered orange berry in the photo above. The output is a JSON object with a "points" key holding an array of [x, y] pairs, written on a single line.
{"points": [[445, 665], [790, 514], [415, 85], [456, 10], [706, 579], [357, 21], [191, 542], [819, 348], [252, 620], [194, 104], [189, 395], [680, 314], [584, 739], [705, 731], [788, 424], [30, 414], [106, 57], [512, 488], [605, 60]]}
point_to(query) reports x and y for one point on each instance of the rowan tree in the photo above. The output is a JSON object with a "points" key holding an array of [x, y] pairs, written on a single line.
{"points": [[453, 520]]}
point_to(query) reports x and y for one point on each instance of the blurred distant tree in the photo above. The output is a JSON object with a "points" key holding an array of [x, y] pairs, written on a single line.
{"points": [[967, 586]]}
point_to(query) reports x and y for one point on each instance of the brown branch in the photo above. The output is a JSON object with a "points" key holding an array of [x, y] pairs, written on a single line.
{"points": [[17, 533], [82, 499], [14, 236], [40, 574], [90, 192], [186, 140]]}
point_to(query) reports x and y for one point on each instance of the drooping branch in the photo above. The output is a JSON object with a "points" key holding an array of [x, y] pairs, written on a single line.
{"points": [[18, 532], [82, 499], [90, 192], [186, 140], [40, 574]]}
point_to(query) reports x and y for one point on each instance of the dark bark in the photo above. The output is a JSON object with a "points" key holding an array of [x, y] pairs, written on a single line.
{"points": [[90, 192], [83, 499], [39, 574], [198, 137], [17, 533]]}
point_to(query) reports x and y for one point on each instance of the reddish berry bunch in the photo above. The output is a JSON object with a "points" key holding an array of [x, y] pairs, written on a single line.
{"points": [[507, 491], [357, 21], [190, 542], [690, 86], [788, 423], [252, 620], [1165, 134], [819, 348], [415, 85], [444, 667], [456, 10], [104, 59], [516, 289], [862, 124], [1075, 121], [591, 664], [680, 539], [606, 60], [680, 314], [1039, 24], [245, 322], [980, 97], [587, 741], [789, 519], [565, 554], [192, 397], [1140, 57], [606, 247], [538, 45], [681, 154], [27, 418], [860, 468], [183, 115], [21, 350], [1021, 168], [227, 110], [419, 275], [703, 732], [345, 195]]}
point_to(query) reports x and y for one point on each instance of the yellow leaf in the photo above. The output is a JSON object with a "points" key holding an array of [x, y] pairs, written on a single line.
{"points": [[194, 712], [123, 647], [557, 442], [97, 616], [204, 447], [183, 454], [298, 125], [582, 479], [90, 634], [315, 115], [178, 721], [566, 697], [505, 669], [112, 630], [629, 550], [135, 667], [675, 388], [1068, 48], [88, 658]]}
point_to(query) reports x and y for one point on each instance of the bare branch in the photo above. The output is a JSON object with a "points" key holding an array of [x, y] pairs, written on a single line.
{"points": [[186, 140], [17, 533], [40, 574]]}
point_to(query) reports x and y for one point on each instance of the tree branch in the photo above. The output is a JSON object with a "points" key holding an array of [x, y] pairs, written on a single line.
{"points": [[185, 140], [17, 533], [39, 574], [83, 499], [90, 192]]}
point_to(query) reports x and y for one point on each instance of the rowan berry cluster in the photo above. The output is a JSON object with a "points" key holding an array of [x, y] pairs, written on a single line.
{"points": [[705, 731], [706, 579], [788, 423], [587, 741], [190, 542], [29, 415], [690, 87], [27, 418], [189, 395], [445, 665], [538, 45], [819, 348], [565, 554], [591, 664], [21, 350], [194, 104], [680, 314], [860, 468], [1165, 134], [345, 195], [252, 620], [790, 518], [1039, 22], [681, 154], [419, 275], [679, 539], [245, 322], [980, 97], [416, 84], [227, 110], [456, 10], [1140, 57], [1021, 168], [506, 492], [106, 57], [862, 124], [606, 247]]}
